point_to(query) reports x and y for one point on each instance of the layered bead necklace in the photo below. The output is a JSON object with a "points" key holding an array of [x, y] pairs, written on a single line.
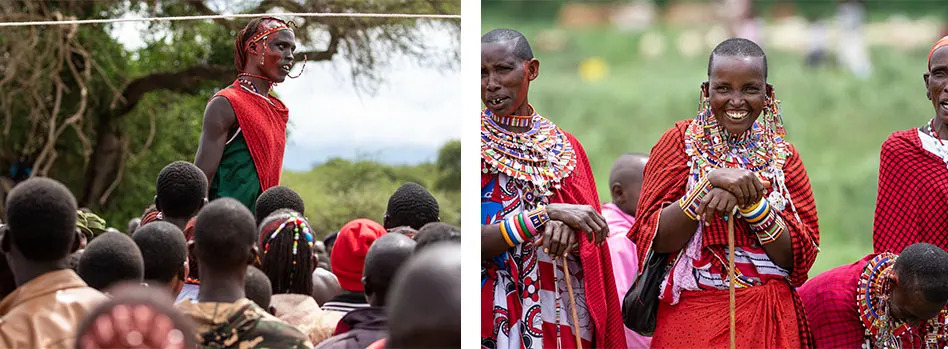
{"points": [[872, 298], [759, 150], [540, 158]]}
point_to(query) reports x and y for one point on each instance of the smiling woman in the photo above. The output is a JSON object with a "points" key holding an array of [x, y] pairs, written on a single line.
{"points": [[700, 173]]}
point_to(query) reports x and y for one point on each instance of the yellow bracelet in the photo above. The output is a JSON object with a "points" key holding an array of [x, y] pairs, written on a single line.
{"points": [[752, 208], [503, 232]]}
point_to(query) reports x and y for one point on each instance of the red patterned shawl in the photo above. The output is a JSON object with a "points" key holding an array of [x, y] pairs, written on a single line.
{"points": [[580, 188], [913, 195], [600, 290]]}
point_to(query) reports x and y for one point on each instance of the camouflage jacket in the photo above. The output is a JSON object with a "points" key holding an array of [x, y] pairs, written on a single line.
{"points": [[241, 324]]}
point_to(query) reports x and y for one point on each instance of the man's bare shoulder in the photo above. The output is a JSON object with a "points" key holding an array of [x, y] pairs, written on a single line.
{"points": [[219, 107]]}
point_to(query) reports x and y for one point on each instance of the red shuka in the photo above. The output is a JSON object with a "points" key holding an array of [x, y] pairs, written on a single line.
{"points": [[264, 129], [601, 299], [603, 302], [913, 195], [666, 180], [706, 312]]}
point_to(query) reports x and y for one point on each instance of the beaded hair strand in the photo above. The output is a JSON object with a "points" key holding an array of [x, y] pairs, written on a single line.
{"points": [[288, 254]]}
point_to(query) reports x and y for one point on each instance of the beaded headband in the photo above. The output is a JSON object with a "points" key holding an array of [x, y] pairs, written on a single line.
{"points": [[279, 26]]}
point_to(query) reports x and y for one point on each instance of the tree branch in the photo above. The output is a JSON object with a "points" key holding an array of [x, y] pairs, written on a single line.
{"points": [[186, 81], [326, 54], [202, 8], [288, 5]]}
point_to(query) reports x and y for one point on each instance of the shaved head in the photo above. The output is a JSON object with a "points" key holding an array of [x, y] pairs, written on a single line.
{"points": [[628, 167], [625, 181], [425, 302], [521, 47], [382, 262], [737, 47]]}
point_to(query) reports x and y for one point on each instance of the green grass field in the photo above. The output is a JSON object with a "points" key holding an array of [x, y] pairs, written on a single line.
{"points": [[837, 122]]}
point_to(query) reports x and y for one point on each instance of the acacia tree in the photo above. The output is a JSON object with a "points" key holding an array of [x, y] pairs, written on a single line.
{"points": [[78, 106]]}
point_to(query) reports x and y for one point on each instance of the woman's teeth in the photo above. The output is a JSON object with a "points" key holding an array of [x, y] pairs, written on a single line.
{"points": [[737, 115]]}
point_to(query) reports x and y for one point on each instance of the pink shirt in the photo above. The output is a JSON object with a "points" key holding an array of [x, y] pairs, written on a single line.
{"points": [[625, 264]]}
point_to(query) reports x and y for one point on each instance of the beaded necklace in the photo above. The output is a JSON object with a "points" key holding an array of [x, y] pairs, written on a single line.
{"points": [[931, 131], [539, 158], [513, 120], [760, 149], [872, 298], [249, 86], [937, 145]]}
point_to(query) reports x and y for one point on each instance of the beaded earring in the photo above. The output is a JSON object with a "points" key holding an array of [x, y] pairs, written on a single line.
{"points": [[704, 109], [773, 121]]}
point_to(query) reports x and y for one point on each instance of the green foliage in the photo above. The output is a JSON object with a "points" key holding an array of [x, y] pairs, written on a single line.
{"points": [[339, 190], [449, 163], [837, 122], [176, 135], [165, 126]]}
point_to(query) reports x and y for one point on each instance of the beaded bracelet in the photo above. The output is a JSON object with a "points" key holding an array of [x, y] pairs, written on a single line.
{"points": [[690, 202], [523, 227], [756, 213], [763, 221], [771, 233]]}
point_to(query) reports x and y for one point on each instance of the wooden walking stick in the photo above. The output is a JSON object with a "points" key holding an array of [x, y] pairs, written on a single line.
{"points": [[730, 276], [572, 303]]}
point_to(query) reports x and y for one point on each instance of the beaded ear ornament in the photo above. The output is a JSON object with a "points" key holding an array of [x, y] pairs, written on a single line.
{"points": [[872, 298]]}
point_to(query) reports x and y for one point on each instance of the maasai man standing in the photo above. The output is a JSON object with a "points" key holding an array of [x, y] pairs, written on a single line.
{"points": [[698, 172], [881, 301], [244, 133], [537, 196], [913, 172]]}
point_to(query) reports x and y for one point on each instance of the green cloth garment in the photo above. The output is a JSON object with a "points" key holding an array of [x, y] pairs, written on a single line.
{"points": [[236, 175], [90, 224]]}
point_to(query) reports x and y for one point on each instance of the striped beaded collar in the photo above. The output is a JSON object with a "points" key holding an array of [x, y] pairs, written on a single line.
{"points": [[541, 157]]}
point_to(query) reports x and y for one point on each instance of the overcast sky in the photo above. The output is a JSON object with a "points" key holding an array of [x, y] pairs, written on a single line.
{"points": [[412, 114]]}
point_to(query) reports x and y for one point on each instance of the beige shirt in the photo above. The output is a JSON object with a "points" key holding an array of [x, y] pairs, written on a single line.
{"points": [[303, 312], [46, 311]]}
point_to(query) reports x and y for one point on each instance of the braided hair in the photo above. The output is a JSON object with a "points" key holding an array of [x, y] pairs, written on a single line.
{"points": [[287, 243]]}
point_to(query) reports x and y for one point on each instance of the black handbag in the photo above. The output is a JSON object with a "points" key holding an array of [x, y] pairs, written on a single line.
{"points": [[640, 304]]}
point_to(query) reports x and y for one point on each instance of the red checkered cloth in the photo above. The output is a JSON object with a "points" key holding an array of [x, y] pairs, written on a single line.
{"points": [[833, 314], [830, 303], [602, 302], [913, 195], [666, 180]]}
